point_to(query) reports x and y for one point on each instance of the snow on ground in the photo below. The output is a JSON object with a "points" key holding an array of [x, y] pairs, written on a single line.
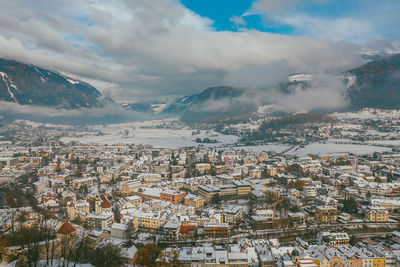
{"points": [[349, 133], [41, 124], [331, 147], [157, 108], [155, 133], [168, 133], [7, 81], [278, 148], [5, 142], [348, 126], [385, 142], [336, 149], [246, 126], [72, 81], [302, 77], [129, 133], [368, 113], [269, 109]]}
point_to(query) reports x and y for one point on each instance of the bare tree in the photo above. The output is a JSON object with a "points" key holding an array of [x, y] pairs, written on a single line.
{"points": [[28, 239], [107, 256], [67, 249], [47, 228], [31, 238]]}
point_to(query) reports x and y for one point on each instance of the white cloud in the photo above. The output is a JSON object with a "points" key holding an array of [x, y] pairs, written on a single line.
{"points": [[358, 21], [325, 92], [142, 48], [278, 7], [343, 28], [238, 21]]}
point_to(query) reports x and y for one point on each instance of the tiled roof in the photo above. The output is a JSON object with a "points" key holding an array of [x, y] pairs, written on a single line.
{"points": [[66, 228]]}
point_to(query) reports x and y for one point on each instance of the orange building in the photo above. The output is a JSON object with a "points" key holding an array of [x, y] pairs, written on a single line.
{"points": [[216, 229], [335, 261], [174, 197], [356, 262]]}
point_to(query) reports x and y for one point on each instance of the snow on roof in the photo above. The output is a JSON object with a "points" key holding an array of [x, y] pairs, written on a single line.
{"points": [[128, 253], [119, 226]]}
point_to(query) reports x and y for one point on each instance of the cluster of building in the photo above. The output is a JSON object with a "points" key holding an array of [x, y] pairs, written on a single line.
{"points": [[103, 184], [208, 194], [330, 249]]}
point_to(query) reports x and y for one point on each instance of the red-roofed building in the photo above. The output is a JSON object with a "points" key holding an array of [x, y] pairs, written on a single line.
{"points": [[102, 197], [187, 231], [65, 229], [105, 204], [102, 205]]}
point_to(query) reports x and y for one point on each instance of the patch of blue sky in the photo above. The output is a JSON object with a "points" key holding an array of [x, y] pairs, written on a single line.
{"points": [[329, 11], [220, 11], [75, 41], [268, 25], [84, 20]]}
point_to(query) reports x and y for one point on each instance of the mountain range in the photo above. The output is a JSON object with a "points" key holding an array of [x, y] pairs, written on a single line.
{"points": [[375, 84]]}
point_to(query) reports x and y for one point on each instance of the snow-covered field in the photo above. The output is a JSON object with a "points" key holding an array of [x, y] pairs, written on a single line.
{"points": [[348, 126], [147, 133], [386, 142], [368, 113], [336, 149], [330, 148], [269, 147], [134, 133], [168, 133]]}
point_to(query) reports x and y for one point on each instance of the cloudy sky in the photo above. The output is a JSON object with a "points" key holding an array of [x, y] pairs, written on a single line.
{"points": [[140, 49]]}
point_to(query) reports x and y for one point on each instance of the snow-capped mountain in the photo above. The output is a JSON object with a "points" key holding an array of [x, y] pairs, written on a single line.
{"points": [[31, 85], [169, 107]]}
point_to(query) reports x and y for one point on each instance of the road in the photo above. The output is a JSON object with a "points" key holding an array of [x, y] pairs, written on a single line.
{"points": [[284, 233], [286, 150]]}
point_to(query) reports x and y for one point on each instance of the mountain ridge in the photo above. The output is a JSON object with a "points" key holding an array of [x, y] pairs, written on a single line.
{"points": [[217, 104], [28, 84], [376, 84]]}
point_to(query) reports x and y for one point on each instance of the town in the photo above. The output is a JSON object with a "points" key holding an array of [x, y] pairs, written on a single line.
{"points": [[135, 204]]}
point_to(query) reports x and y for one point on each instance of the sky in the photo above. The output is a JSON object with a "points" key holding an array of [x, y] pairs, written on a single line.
{"points": [[148, 49]]}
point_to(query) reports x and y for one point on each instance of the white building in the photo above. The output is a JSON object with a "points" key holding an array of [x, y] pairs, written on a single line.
{"points": [[310, 191], [119, 230]]}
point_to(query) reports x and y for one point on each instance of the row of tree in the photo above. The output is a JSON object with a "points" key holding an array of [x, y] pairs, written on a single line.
{"points": [[35, 239]]}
